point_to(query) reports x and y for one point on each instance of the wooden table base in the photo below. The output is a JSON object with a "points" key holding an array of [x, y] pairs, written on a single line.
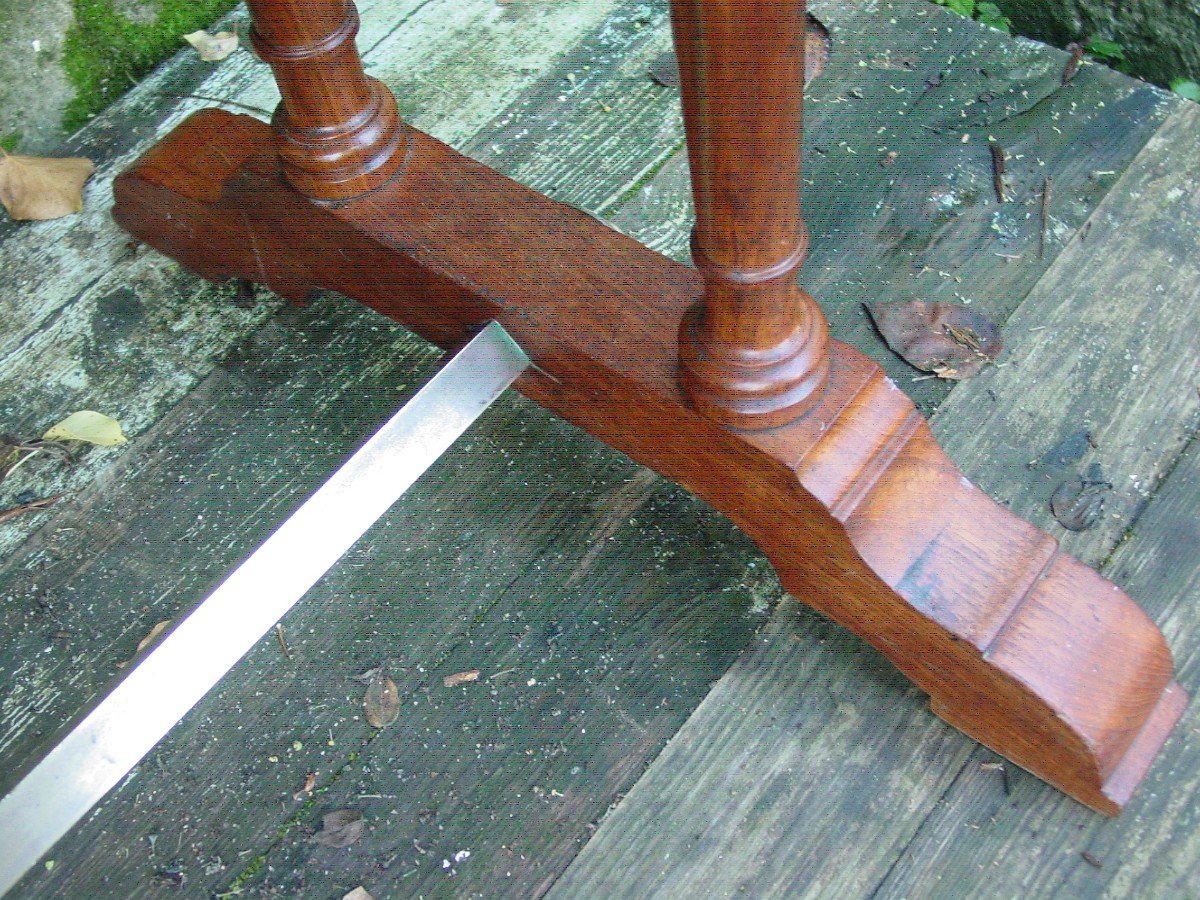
{"points": [[1018, 645]]}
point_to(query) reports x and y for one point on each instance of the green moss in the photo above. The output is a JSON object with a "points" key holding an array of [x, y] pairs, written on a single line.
{"points": [[105, 51], [9, 142]]}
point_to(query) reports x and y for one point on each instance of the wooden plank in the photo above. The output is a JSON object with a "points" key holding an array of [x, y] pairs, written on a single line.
{"points": [[48, 264], [596, 120], [1103, 344], [93, 324], [1143, 272], [205, 487], [786, 780], [926, 224]]}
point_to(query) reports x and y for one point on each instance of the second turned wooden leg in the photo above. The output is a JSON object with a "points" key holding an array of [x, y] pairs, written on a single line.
{"points": [[753, 353]]}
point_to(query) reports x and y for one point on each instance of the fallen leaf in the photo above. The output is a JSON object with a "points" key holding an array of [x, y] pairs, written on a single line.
{"points": [[359, 893], [213, 47], [951, 341], [90, 427], [145, 642], [340, 828], [460, 678], [32, 188], [382, 702], [1079, 501], [309, 783]]}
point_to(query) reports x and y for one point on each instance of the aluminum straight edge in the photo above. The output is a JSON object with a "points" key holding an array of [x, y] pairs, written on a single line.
{"points": [[189, 662]]}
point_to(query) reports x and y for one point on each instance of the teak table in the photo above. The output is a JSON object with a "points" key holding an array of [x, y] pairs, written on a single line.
{"points": [[722, 378]]}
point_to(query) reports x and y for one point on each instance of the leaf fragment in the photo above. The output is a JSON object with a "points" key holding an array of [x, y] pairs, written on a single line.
{"points": [[340, 828], [36, 189], [382, 702], [213, 47], [359, 893], [460, 678], [951, 341], [87, 426]]}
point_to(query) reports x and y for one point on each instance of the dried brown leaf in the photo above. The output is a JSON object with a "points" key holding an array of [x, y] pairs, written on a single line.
{"points": [[213, 47], [1079, 501], [310, 782], [33, 188], [951, 341], [460, 678], [382, 702], [340, 828]]}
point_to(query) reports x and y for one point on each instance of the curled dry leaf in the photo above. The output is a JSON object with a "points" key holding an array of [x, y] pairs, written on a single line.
{"points": [[382, 702], [89, 427], [460, 678], [1078, 502], [950, 341], [340, 828], [359, 893], [32, 188], [213, 47]]}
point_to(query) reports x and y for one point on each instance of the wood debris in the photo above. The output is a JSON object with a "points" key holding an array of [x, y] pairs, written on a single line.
{"points": [[1076, 51], [998, 170], [461, 678]]}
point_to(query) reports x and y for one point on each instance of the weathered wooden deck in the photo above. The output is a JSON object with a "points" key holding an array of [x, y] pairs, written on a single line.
{"points": [[652, 717]]}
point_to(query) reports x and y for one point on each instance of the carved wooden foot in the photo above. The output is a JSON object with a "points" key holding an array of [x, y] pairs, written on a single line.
{"points": [[1020, 646]]}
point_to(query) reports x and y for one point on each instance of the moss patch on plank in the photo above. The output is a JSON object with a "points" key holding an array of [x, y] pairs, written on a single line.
{"points": [[112, 42]]}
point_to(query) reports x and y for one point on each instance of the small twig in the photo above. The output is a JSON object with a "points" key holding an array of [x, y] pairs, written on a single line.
{"points": [[1073, 62], [998, 157], [31, 506], [1046, 185], [282, 643]]}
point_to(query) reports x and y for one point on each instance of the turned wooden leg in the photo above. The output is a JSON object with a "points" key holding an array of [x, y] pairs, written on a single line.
{"points": [[753, 353], [340, 134]]}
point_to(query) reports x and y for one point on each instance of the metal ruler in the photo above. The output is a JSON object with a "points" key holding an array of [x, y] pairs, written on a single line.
{"points": [[110, 740]]}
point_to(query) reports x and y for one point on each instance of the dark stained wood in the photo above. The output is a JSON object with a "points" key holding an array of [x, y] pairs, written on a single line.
{"points": [[753, 353], [978, 608], [340, 133]]}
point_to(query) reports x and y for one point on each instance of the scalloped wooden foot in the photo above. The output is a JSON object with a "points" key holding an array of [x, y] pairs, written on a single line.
{"points": [[1019, 645]]}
